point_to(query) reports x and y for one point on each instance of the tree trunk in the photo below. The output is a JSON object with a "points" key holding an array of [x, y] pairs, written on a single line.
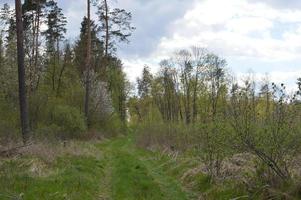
{"points": [[37, 72], [60, 78], [194, 107], [107, 27], [31, 68], [88, 61], [21, 74]]}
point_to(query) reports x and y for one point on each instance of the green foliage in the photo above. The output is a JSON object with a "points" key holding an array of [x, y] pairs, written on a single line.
{"points": [[69, 119], [9, 119], [200, 114], [56, 22]]}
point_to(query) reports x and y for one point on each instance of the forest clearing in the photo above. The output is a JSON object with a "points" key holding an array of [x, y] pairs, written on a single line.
{"points": [[134, 100]]}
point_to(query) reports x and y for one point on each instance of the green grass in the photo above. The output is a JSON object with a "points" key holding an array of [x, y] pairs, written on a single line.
{"points": [[134, 174], [70, 178], [121, 172], [117, 170]]}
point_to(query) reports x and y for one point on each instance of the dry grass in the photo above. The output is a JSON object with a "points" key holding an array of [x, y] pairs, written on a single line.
{"points": [[235, 168], [51, 151], [39, 156]]}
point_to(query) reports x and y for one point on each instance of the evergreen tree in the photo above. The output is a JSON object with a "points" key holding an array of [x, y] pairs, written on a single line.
{"points": [[145, 83], [6, 13], [88, 65], [21, 74], [55, 33], [80, 48], [56, 26], [115, 25]]}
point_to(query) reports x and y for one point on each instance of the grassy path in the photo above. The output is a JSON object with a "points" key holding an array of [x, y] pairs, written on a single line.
{"points": [[134, 174], [116, 170]]}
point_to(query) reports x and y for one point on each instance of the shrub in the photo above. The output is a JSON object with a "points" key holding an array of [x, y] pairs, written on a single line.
{"points": [[9, 120], [110, 126], [69, 119]]}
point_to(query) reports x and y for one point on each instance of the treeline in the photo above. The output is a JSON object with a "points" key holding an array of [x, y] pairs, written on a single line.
{"points": [[70, 85], [193, 104]]}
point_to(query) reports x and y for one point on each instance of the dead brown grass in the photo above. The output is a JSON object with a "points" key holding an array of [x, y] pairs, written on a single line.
{"points": [[39, 157], [49, 152]]}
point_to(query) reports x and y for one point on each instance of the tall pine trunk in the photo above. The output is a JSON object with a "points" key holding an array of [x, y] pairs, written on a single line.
{"points": [[21, 74], [88, 62], [107, 28], [37, 72]]}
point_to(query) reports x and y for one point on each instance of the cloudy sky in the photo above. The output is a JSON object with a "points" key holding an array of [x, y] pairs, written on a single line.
{"points": [[259, 35]]}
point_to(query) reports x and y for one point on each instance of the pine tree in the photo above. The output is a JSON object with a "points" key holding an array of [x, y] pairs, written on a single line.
{"points": [[80, 48], [56, 23], [145, 83], [88, 65], [6, 13], [55, 33], [115, 25], [21, 74]]}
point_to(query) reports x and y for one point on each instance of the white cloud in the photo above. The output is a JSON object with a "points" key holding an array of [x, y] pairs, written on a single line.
{"points": [[236, 28], [240, 29], [133, 67], [262, 31]]}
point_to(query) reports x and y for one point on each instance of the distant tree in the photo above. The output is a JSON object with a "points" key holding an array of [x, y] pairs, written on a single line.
{"points": [[1, 51], [117, 86], [56, 26], [1, 54], [80, 49], [6, 14], [33, 18], [9, 82], [67, 61], [115, 25], [55, 33], [199, 62], [216, 77], [185, 67], [145, 83], [165, 92]]}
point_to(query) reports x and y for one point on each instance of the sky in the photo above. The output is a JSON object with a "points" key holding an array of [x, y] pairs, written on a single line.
{"points": [[262, 36]]}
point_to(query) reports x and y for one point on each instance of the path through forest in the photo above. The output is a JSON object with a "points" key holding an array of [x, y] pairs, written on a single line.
{"points": [[110, 170], [131, 173]]}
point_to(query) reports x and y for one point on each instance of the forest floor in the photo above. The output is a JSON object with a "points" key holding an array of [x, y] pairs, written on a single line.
{"points": [[113, 169]]}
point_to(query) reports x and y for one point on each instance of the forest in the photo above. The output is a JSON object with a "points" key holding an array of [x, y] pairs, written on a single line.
{"points": [[73, 126]]}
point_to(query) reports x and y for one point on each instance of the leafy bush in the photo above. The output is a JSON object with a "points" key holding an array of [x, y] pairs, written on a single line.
{"points": [[110, 126], [69, 119], [9, 119]]}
